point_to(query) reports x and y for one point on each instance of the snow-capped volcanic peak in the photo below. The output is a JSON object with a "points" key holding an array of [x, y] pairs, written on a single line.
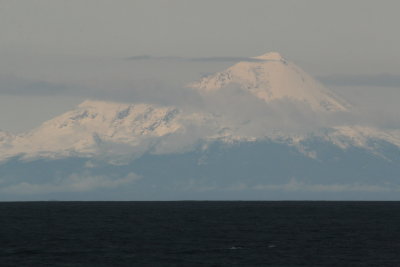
{"points": [[272, 77], [270, 56]]}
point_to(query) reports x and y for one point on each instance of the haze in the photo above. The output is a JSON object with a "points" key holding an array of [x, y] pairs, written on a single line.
{"points": [[55, 54]]}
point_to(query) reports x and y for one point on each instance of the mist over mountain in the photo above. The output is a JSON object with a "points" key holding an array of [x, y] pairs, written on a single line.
{"points": [[261, 129]]}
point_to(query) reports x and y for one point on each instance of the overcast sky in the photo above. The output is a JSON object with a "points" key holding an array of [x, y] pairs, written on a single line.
{"points": [[56, 53]]}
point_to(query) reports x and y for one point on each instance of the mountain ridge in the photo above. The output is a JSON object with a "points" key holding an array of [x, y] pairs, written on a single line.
{"points": [[102, 127], [233, 145]]}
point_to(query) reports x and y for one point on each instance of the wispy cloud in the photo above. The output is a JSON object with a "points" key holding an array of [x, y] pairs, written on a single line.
{"points": [[84, 182], [372, 80], [226, 59], [298, 186], [293, 185], [194, 59], [11, 85], [148, 57]]}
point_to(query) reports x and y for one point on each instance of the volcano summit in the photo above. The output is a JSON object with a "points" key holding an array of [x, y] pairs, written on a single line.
{"points": [[272, 78]]}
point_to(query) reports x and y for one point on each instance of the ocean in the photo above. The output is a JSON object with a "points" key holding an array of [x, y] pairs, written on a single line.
{"points": [[200, 233]]}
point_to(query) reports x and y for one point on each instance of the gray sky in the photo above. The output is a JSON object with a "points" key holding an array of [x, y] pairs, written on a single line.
{"points": [[55, 53]]}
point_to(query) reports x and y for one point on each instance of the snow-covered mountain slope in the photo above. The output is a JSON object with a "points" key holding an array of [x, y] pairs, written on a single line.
{"points": [[360, 136], [109, 129], [95, 127], [271, 78]]}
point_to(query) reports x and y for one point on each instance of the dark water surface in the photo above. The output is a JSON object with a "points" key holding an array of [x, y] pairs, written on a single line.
{"points": [[200, 234]]}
